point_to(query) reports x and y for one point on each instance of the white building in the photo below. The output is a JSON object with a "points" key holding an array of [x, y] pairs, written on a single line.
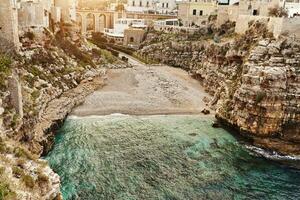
{"points": [[140, 6], [166, 6], [120, 25], [293, 7], [154, 6]]}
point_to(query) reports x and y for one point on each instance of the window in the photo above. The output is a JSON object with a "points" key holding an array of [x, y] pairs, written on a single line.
{"points": [[196, 0], [133, 3], [201, 12], [169, 23], [141, 4], [194, 12], [131, 39], [167, 5], [163, 5], [255, 12], [147, 3]]}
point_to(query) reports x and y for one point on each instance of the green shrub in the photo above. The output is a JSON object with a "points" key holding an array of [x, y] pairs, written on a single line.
{"points": [[260, 96], [2, 148], [5, 70], [23, 153], [42, 178], [108, 56], [2, 170], [17, 171], [5, 192], [21, 163], [5, 63], [71, 49], [35, 94], [28, 180]]}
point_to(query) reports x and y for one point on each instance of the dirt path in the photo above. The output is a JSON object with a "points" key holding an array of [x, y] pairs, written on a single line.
{"points": [[145, 90]]}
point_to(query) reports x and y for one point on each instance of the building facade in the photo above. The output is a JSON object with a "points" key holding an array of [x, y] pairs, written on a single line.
{"points": [[140, 6], [9, 37], [68, 10], [194, 12], [166, 7], [34, 14]]}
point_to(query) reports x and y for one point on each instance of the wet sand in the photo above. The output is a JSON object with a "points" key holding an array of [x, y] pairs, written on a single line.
{"points": [[145, 90]]}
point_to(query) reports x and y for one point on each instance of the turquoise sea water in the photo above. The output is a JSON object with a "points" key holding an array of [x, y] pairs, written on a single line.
{"points": [[162, 157]]}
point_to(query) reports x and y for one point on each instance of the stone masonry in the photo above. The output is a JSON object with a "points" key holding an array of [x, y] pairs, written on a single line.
{"points": [[8, 25]]}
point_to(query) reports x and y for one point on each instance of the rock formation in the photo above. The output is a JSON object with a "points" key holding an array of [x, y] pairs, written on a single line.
{"points": [[254, 80], [39, 86]]}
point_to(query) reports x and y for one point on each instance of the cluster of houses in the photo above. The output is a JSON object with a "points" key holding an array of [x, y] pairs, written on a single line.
{"points": [[18, 17], [127, 23]]}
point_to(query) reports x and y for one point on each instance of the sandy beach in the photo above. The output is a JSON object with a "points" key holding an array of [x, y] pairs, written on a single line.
{"points": [[145, 90]]}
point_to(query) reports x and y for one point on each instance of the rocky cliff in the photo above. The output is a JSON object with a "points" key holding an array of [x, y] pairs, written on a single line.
{"points": [[39, 86], [254, 80]]}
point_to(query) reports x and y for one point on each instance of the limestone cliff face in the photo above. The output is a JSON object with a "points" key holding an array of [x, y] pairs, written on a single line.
{"points": [[254, 80], [39, 86]]}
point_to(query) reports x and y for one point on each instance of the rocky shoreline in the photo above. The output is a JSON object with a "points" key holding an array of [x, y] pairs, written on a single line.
{"points": [[254, 80], [56, 112]]}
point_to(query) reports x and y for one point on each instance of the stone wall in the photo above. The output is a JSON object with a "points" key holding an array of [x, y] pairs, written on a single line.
{"points": [[292, 26], [9, 38], [32, 16], [68, 9], [133, 37], [275, 25], [227, 13]]}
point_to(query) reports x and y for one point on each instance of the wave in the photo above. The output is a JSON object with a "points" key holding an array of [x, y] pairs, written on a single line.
{"points": [[97, 116], [272, 155]]}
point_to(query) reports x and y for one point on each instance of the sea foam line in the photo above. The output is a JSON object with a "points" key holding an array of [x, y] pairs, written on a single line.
{"points": [[271, 154], [97, 116]]}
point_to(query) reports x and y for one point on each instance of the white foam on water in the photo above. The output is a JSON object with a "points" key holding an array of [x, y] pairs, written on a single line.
{"points": [[272, 155], [97, 116]]}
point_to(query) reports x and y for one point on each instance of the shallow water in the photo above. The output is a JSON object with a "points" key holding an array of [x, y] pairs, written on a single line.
{"points": [[162, 157]]}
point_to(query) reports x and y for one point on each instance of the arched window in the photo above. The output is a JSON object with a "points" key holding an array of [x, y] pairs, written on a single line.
{"points": [[131, 39]]}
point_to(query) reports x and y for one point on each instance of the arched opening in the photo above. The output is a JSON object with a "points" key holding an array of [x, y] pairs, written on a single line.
{"points": [[131, 39], [102, 22], [79, 21], [90, 22]]}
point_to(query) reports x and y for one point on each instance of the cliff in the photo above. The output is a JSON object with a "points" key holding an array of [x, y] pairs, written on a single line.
{"points": [[39, 86], [254, 80]]}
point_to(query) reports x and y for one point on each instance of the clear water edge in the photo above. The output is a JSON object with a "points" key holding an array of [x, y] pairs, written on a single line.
{"points": [[162, 157]]}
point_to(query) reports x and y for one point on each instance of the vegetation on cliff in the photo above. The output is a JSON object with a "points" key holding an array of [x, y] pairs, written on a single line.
{"points": [[45, 70], [253, 78]]}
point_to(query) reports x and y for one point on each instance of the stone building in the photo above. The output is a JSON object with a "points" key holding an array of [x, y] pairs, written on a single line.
{"points": [[293, 7], [9, 38], [140, 6], [34, 15], [133, 37], [258, 7], [166, 6], [68, 9], [194, 12]]}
